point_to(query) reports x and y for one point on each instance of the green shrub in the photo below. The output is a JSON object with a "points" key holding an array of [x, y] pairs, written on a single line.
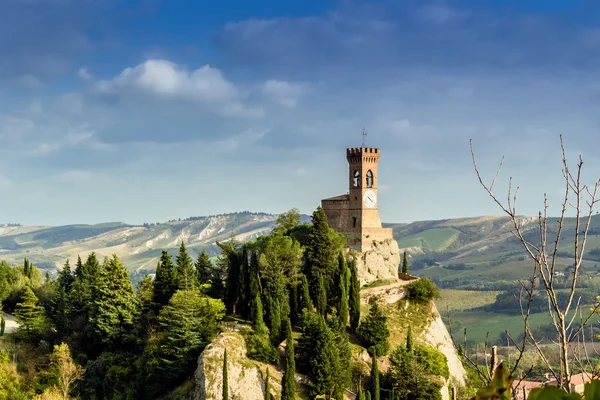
{"points": [[432, 360], [422, 291], [259, 347]]}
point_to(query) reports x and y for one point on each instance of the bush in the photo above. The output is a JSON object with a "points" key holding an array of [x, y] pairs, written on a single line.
{"points": [[422, 291], [432, 361], [259, 348]]}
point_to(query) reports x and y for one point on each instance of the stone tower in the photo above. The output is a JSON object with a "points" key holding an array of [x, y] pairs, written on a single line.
{"points": [[356, 214]]}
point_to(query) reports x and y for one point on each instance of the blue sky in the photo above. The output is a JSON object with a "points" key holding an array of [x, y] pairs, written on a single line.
{"points": [[143, 111]]}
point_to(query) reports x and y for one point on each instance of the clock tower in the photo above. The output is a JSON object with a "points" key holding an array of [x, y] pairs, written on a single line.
{"points": [[356, 214]]}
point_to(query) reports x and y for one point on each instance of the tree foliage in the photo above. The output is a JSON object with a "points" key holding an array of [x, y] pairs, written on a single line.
{"points": [[374, 331]]}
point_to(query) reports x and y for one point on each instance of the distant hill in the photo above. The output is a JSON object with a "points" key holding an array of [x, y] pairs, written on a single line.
{"points": [[464, 252], [138, 246], [468, 252]]}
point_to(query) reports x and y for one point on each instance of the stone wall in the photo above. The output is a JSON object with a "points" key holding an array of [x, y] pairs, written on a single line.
{"points": [[380, 262]]}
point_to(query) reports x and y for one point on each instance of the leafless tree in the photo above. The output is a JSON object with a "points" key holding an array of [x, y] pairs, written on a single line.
{"points": [[579, 200]]}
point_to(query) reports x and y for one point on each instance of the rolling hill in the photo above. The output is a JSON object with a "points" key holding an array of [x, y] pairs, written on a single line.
{"points": [[455, 252]]}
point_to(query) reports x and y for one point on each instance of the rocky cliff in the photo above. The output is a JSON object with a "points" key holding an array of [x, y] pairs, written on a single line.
{"points": [[246, 378], [381, 262]]}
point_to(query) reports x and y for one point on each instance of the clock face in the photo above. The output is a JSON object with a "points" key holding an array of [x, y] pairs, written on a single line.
{"points": [[369, 199]]}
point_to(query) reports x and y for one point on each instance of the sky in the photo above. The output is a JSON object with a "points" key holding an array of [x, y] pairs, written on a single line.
{"points": [[149, 110]]}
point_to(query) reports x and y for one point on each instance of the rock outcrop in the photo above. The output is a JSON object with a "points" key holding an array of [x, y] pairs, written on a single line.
{"points": [[437, 336], [381, 262], [246, 379]]}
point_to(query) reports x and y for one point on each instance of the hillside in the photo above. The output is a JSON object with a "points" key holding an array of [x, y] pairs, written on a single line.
{"points": [[455, 252], [138, 246], [461, 251]]}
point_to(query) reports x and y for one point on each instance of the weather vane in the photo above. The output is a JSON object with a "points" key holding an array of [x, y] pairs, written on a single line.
{"points": [[364, 133]]}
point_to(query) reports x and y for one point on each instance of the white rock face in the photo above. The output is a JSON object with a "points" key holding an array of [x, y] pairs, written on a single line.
{"points": [[436, 336], [381, 262], [244, 376]]}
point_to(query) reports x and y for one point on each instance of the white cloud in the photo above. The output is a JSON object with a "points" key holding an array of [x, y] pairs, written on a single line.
{"points": [[84, 74], [285, 93], [167, 80], [164, 78]]}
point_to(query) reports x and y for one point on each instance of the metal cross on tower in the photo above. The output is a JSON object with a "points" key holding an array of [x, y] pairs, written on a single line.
{"points": [[364, 133]]}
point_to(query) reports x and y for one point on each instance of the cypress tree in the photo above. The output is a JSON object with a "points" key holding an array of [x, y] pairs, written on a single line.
{"points": [[225, 382], [354, 297], [321, 296], [360, 395], [305, 300], [405, 264], [267, 387], [186, 273], [409, 340], [2, 325], [275, 319], [258, 324], [288, 384], [374, 375], [165, 282], [204, 268], [320, 257], [244, 285], [368, 395], [343, 300]]}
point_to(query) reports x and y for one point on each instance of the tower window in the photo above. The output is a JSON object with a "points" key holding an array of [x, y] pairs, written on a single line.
{"points": [[369, 179], [356, 179], [354, 222]]}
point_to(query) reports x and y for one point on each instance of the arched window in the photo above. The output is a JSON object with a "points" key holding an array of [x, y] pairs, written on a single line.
{"points": [[356, 179], [369, 179]]}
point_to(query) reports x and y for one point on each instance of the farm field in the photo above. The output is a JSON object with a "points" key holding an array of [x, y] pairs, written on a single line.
{"points": [[461, 300]]}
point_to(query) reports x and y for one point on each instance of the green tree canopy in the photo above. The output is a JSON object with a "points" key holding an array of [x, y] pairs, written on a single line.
{"points": [[374, 331]]}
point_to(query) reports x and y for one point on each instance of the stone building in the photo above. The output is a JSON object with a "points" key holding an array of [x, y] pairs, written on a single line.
{"points": [[356, 214]]}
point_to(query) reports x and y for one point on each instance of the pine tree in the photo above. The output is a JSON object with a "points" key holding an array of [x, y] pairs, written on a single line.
{"points": [[405, 264], [267, 387], [30, 316], [374, 375], [186, 272], [321, 296], [61, 302], [225, 381], [409, 340], [343, 288], [114, 304], [373, 331], [165, 282], [354, 297], [188, 323], [288, 384], [204, 268]]}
